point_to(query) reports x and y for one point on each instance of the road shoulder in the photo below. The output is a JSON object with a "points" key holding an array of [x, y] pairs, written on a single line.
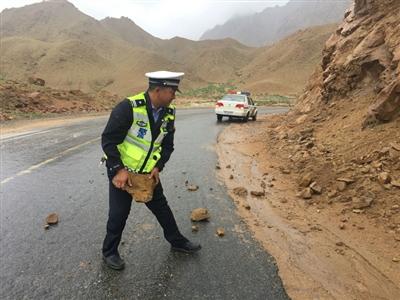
{"points": [[316, 258]]}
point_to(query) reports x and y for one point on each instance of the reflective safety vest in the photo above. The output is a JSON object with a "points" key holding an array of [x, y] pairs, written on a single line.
{"points": [[140, 151]]}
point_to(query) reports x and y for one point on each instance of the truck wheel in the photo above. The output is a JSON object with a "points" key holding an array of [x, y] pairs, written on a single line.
{"points": [[246, 118], [219, 118]]}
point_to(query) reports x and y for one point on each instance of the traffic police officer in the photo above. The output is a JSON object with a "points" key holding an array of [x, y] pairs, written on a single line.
{"points": [[139, 137]]}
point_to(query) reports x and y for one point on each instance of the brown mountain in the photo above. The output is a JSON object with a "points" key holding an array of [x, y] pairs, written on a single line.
{"points": [[274, 23], [284, 67], [53, 40]]}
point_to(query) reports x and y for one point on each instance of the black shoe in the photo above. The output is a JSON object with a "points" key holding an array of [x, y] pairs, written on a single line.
{"points": [[114, 262], [186, 247]]}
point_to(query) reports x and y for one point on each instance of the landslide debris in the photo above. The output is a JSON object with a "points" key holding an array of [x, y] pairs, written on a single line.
{"points": [[34, 99], [341, 140]]}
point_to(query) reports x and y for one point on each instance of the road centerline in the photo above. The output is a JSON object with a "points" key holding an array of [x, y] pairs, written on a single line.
{"points": [[45, 162]]}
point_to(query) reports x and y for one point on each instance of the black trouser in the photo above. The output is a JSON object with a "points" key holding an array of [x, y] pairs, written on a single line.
{"points": [[120, 206]]}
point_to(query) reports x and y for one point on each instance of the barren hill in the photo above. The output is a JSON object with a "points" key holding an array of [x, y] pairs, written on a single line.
{"points": [[284, 67], [274, 23], [53, 40]]}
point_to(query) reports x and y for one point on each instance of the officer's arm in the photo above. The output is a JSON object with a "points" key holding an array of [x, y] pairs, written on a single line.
{"points": [[167, 146], [115, 132]]}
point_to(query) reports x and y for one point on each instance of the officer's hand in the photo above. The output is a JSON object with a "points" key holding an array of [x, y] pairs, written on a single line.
{"points": [[120, 179], [155, 174]]}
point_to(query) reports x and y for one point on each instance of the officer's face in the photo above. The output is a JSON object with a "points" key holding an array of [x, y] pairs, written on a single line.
{"points": [[166, 95]]}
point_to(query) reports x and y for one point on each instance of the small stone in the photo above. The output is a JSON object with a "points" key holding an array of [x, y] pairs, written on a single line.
{"points": [[220, 232], [193, 187], [240, 191], [365, 170], [395, 183], [332, 194], [306, 193], [341, 186], [46, 226], [306, 180], [363, 202], [395, 146], [357, 211], [384, 177], [395, 259], [257, 193], [342, 226], [200, 214], [228, 166], [283, 200], [315, 188], [217, 166], [231, 176], [52, 219], [340, 244], [247, 206], [195, 228], [346, 180]]}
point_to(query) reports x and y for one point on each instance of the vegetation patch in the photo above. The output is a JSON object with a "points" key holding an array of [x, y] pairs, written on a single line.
{"points": [[212, 90]]}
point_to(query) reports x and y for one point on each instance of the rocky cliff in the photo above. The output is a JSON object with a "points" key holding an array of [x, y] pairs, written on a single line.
{"points": [[362, 56]]}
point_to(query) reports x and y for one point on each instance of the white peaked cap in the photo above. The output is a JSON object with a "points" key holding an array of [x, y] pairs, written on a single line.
{"points": [[165, 75]]}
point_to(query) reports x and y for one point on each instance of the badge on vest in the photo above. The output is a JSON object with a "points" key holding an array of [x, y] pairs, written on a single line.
{"points": [[141, 123], [141, 133]]}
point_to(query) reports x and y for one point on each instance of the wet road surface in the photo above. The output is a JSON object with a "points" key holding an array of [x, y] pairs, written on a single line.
{"points": [[57, 170]]}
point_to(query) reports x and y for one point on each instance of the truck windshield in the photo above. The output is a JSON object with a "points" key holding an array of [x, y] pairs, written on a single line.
{"points": [[235, 98]]}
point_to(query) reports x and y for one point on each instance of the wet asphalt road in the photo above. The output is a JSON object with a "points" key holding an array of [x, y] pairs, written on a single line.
{"points": [[57, 170]]}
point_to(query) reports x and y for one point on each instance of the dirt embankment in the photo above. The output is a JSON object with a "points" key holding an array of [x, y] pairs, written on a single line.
{"points": [[320, 186], [21, 100]]}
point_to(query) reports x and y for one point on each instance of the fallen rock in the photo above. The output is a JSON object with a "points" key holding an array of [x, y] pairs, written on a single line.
{"points": [[220, 232], [52, 219], [384, 178], [193, 187], [315, 188], [306, 193], [240, 191], [395, 146], [195, 228], [257, 193], [395, 183], [306, 180], [359, 203], [341, 186], [199, 214], [332, 194], [346, 180]]}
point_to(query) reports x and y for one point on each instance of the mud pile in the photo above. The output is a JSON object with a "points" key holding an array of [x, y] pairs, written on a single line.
{"points": [[342, 139], [33, 99]]}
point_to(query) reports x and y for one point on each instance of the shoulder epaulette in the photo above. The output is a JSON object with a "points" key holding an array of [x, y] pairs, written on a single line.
{"points": [[137, 102]]}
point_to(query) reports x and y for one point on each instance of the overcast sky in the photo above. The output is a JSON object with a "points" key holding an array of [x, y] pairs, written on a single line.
{"points": [[166, 18]]}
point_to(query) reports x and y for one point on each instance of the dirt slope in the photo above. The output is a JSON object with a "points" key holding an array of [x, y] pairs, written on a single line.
{"points": [[329, 170]]}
